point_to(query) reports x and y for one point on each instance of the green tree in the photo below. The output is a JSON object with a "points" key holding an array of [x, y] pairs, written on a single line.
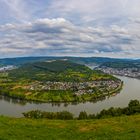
{"points": [[133, 103], [83, 115]]}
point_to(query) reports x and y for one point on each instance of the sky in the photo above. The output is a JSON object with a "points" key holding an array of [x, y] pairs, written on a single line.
{"points": [[87, 28]]}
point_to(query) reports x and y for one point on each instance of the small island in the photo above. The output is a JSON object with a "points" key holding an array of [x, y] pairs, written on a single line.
{"points": [[57, 81]]}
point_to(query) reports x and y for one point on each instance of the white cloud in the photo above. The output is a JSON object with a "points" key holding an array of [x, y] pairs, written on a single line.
{"points": [[61, 37], [86, 28]]}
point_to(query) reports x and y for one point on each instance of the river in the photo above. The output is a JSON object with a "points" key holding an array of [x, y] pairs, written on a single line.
{"points": [[131, 90]]}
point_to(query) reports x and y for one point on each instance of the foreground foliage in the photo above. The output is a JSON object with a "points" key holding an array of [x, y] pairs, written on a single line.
{"points": [[119, 128]]}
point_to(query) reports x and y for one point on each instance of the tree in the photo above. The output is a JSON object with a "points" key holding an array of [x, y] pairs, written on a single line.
{"points": [[133, 103], [83, 115]]}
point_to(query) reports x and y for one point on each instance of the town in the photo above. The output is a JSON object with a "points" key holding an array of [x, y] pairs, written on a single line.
{"points": [[128, 72], [77, 88]]}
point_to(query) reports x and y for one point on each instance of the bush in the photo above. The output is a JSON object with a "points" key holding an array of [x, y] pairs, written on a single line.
{"points": [[64, 115]]}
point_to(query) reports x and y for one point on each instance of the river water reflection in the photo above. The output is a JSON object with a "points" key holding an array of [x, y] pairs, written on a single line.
{"points": [[131, 90]]}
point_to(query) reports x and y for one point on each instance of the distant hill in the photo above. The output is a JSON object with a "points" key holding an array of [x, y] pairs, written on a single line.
{"points": [[81, 60]]}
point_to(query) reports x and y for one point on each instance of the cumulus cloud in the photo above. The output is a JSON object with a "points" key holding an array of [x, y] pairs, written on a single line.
{"points": [[61, 37], [86, 28]]}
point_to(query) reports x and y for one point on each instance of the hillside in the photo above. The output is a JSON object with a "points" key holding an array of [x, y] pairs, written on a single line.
{"points": [[58, 70], [119, 128]]}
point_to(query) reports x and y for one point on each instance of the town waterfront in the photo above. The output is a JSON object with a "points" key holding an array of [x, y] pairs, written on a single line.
{"points": [[131, 90]]}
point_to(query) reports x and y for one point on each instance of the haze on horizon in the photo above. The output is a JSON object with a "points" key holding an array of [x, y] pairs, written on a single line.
{"points": [[103, 28]]}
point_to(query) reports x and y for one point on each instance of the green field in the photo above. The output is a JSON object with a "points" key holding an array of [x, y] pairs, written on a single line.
{"points": [[119, 128]]}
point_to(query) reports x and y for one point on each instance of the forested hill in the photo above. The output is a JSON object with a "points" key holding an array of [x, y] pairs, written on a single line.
{"points": [[56, 70]]}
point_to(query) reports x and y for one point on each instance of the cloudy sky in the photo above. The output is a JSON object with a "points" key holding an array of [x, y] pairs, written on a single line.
{"points": [[109, 28]]}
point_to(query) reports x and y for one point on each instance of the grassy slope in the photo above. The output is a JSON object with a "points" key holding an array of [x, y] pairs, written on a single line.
{"points": [[120, 128]]}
